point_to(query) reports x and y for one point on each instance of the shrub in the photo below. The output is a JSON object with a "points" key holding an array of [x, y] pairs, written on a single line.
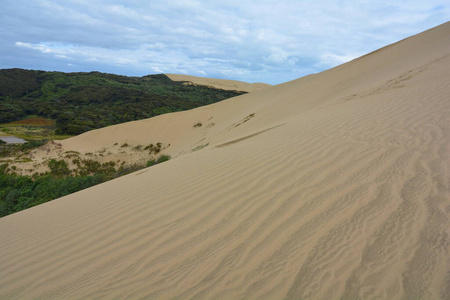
{"points": [[58, 168], [91, 167], [159, 160], [199, 124], [21, 192], [151, 162], [163, 158], [154, 149]]}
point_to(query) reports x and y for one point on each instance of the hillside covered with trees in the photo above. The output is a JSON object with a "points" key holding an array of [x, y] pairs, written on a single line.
{"points": [[80, 102]]}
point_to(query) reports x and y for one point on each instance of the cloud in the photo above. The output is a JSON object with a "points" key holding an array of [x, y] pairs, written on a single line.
{"points": [[331, 59], [268, 41]]}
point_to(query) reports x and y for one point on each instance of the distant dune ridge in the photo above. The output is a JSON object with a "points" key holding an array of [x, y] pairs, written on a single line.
{"points": [[332, 186], [224, 84]]}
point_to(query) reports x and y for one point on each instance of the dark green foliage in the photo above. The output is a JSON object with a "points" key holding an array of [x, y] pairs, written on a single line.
{"points": [[16, 149], [31, 145], [151, 162], [83, 101], [58, 168], [159, 160], [21, 192], [126, 170], [90, 167], [163, 158], [18, 82], [154, 149]]}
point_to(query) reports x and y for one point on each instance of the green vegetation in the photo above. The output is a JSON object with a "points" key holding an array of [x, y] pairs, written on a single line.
{"points": [[159, 160], [154, 149], [79, 102], [199, 124], [58, 168], [91, 167], [21, 192], [10, 150]]}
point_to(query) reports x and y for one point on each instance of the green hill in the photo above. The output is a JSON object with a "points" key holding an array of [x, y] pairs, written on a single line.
{"points": [[79, 102]]}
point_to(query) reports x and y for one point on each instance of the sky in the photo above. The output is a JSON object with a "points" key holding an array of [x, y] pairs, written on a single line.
{"points": [[254, 41]]}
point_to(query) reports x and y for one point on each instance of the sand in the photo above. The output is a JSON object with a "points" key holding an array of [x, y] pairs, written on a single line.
{"points": [[224, 84], [332, 186]]}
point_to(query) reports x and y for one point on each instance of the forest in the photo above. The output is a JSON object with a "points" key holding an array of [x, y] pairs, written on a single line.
{"points": [[79, 102]]}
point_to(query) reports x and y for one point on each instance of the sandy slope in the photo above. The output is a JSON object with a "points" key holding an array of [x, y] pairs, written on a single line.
{"points": [[105, 145], [332, 186], [224, 84]]}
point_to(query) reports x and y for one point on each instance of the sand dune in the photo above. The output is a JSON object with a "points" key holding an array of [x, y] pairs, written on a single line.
{"points": [[224, 84], [332, 186]]}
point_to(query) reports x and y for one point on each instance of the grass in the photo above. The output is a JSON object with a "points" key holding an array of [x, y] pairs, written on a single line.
{"points": [[159, 160]]}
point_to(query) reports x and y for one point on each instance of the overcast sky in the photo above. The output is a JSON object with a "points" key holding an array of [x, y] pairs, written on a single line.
{"points": [[254, 41]]}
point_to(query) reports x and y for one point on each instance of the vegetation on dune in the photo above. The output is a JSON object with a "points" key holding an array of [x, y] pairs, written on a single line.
{"points": [[79, 102], [17, 150], [158, 160], [21, 192]]}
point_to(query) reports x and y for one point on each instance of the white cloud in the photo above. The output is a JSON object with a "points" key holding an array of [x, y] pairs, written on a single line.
{"points": [[157, 70], [41, 48], [272, 41], [330, 59], [279, 56]]}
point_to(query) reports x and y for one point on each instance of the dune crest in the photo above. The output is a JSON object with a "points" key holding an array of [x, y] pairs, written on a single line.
{"points": [[223, 84], [332, 186]]}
